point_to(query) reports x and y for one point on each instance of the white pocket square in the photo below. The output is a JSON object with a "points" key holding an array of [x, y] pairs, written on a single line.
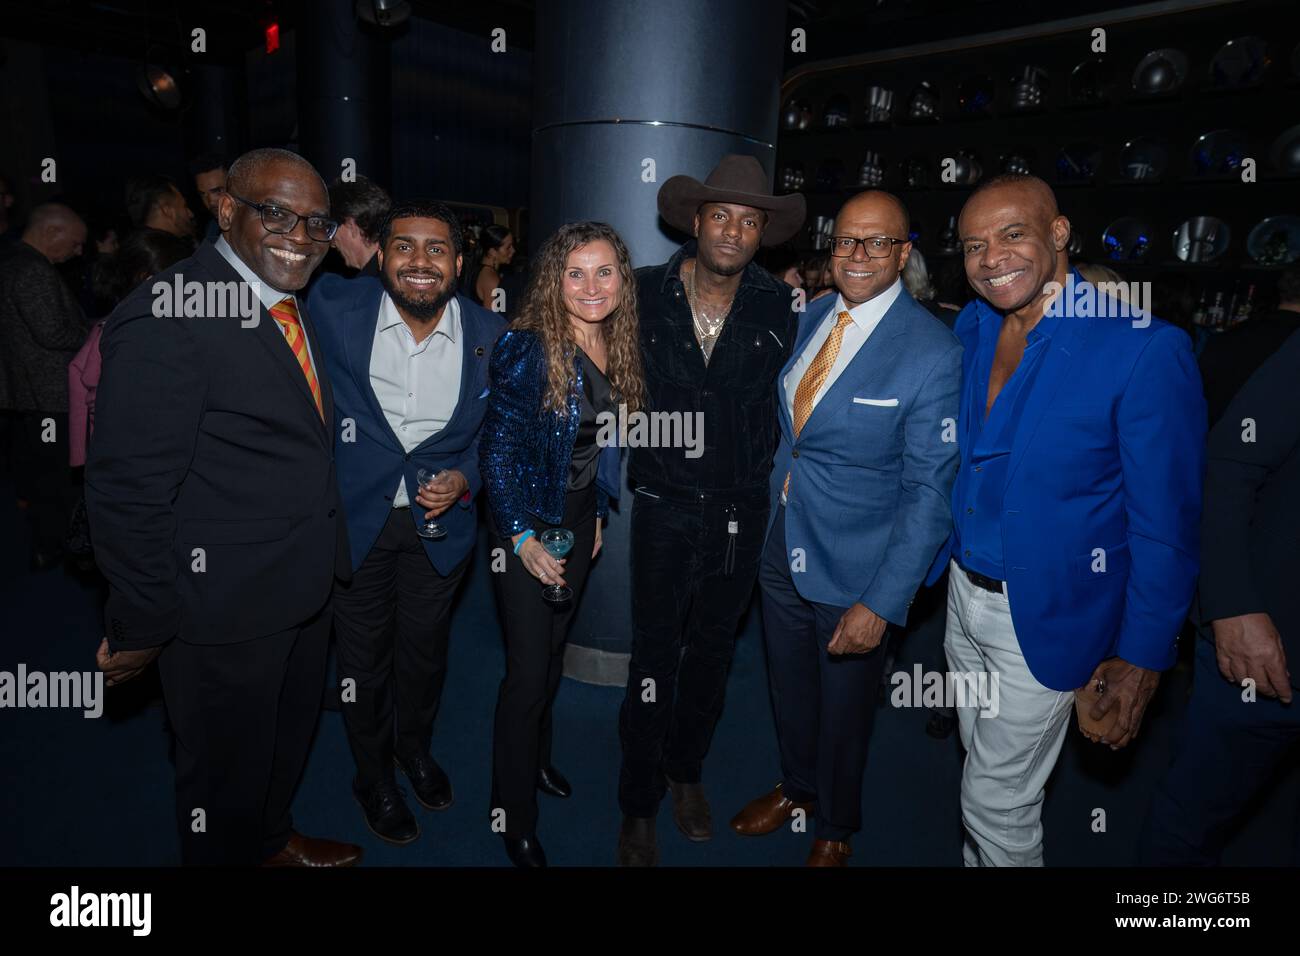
{"points": [[486, 390], [886, 402]]}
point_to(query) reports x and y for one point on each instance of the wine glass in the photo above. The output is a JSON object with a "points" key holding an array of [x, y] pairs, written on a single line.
{"points": [[558, 542], [430, 529]]}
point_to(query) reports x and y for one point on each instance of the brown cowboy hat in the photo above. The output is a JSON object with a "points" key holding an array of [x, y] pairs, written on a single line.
{"points": [[736, 179]]}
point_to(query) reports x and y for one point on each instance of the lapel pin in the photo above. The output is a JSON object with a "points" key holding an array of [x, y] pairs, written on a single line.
{"points": [[479, 351]]}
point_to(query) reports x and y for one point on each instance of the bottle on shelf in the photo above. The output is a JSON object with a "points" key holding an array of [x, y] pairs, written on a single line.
{"points": [[1214, 317], [1245, 306], [1200, 313]]}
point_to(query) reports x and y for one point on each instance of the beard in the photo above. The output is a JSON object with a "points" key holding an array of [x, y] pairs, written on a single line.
{"points": [[721, 269], [420, 308]]}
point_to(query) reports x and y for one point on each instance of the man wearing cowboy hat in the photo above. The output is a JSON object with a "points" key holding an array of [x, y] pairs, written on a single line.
{"points": [[716, 328]]}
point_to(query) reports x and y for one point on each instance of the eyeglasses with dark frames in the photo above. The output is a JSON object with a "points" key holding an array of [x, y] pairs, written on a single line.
{"points": [[281, 221], [876, 247]]}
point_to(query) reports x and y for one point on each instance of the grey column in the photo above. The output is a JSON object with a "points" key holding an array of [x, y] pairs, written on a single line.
{"points": [[619, 82], [343, 92]]}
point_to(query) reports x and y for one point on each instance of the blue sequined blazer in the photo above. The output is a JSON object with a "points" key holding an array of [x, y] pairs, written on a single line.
{"points": [[525, 450]]}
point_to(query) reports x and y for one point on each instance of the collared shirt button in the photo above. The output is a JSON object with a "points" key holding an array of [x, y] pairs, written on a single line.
{"points": [[979, 467], [970, 511], [968, 552]]}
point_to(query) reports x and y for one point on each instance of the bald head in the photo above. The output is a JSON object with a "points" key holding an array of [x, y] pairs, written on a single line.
{"points": [[865, 274], [257, 164], [55, 231], [1013, 240]]}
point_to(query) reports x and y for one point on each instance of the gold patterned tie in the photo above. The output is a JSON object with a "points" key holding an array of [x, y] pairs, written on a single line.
{"points": [[285, 313], [813, 378]]}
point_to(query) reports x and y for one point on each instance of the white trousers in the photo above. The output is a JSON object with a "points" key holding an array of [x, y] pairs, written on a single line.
{"points": [[1008, 756]]}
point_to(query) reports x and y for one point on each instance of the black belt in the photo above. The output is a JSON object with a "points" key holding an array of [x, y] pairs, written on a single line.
{"points": [[983, 581]]}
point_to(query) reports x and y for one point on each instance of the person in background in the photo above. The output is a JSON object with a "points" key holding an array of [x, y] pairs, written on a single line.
{"points": [[154, 202], [209, 172], [916, 279], [1242, 723], [571, 356], [494, 251], [1102, 275], [361, 208], [41, 328], [816, 274], [783, 263], [1231, 357], [145, 252]]}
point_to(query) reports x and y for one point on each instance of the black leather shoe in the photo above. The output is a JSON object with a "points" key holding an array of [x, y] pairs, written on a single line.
{"points": [[939, 726], [431, 786], [387, 814], [550, 780], [636, 842], [526, 851], [691, 810]]}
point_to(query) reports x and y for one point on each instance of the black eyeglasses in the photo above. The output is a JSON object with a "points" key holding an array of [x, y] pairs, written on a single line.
{"points": [[280, 221], [877, 247]]}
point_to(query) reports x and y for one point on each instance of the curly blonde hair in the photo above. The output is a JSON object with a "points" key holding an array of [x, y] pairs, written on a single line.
{"points": [[544, 313]]}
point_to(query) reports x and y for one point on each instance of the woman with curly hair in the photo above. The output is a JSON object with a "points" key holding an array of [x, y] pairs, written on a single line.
{"points": [[558, 374]]}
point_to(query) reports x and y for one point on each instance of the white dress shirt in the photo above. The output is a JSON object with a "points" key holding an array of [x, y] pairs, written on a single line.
{"points": [[865, 319], [417, 383], [270, 296]]}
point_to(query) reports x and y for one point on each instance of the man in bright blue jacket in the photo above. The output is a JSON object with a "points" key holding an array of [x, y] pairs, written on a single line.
{"points": [[409, 358], [1073, 556]]}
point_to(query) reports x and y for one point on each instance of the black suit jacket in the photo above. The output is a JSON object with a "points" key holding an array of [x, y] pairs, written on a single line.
{"points": [[1250, 531], [210, 480]]}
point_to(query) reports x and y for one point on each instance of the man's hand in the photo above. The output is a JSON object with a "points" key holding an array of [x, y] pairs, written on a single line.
{"points": [[1250, 646], [859, 631], [1128, 688], [437, 496], [123, 665]]}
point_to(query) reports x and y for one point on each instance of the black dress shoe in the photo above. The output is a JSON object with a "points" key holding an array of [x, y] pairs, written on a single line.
{"points": [[431, 786], [387, 814], [550, 780], [691, 810], [525, 851], [636, 842], [939, 726]]}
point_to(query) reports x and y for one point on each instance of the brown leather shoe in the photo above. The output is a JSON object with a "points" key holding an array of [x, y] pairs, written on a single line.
{"points": [[310, 851], [829, 853], [767, 814]]}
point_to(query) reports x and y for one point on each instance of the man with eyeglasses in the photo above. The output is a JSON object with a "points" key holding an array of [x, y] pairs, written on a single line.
{"points": [[211, 488], [860, 491]]}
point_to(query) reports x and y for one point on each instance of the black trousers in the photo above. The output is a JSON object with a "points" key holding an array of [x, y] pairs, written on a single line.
{"points": [[242, 717], [392, 624], [824, 703], [43, 477], [687, 603], [535, 637]]}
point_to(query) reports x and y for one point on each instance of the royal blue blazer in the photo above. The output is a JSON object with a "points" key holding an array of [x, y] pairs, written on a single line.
{"points": [[369, 457], [1101, 512], [871, 472]]}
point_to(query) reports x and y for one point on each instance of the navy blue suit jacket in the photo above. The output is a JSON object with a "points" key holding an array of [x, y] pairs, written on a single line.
{"points": [[369, 457]]}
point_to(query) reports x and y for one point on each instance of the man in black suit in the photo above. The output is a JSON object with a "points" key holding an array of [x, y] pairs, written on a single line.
{"points": [[211, 491], [1241, 721]]}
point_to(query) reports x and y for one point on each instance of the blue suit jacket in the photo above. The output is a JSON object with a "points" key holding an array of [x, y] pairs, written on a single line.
{"points": [[870, 484], [346, 312], [1103, 494]]}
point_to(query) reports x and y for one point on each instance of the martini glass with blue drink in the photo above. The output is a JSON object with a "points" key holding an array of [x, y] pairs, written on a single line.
{"points": [[430, 529], [558, 542]]}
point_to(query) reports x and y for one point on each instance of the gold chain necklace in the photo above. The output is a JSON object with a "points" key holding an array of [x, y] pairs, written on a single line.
{"points": [[707, 327]]}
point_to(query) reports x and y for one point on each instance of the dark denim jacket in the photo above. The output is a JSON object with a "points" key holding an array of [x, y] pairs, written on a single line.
{"points": [[524, 451], [736, 392]]}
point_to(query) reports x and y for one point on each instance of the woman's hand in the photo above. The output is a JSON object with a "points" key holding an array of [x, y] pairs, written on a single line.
{"points": [[595, 550], [539, 563]]}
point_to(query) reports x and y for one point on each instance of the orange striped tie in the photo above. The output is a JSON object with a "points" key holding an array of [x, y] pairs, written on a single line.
{"points": [[285, 313], [813, 377]]}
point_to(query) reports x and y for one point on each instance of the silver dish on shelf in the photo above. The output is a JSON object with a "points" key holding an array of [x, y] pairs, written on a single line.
{"points": [[1275, 241], [1219, 153], [1127, 239], [1240, 63], [1090, 82], [1143, 160], [1160, 72], [1201, 239]]}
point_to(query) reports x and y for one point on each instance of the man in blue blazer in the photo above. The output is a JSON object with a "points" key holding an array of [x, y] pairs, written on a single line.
{"points": [[1075, 512], [860, 486], [409, 358]]}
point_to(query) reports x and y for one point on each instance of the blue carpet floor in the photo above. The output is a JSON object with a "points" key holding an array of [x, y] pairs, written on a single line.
{"points": [[82, 792]]}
